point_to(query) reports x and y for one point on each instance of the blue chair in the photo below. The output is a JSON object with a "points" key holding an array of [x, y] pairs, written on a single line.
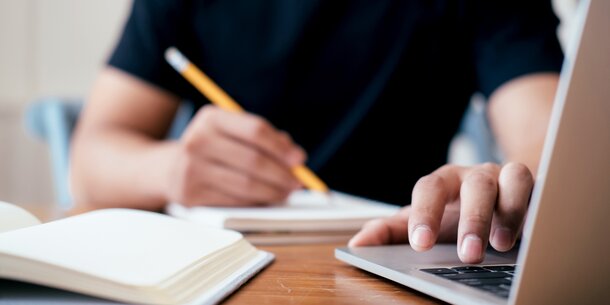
{"points": [[476, 133], [52, 119]]}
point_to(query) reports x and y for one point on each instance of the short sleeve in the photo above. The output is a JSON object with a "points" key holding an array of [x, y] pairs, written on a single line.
{"points": [[152, 27], [514, 38]]}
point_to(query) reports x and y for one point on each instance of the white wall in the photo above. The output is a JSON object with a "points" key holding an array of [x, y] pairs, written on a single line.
{"points": [[47, 48]]}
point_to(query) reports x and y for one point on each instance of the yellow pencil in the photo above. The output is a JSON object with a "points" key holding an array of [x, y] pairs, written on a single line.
{"points": [[220, 98]]}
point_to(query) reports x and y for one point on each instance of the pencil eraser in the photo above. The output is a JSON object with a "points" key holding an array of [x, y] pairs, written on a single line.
{"points": [[176, 59]]}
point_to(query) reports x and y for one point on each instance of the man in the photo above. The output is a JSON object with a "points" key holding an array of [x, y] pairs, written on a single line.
{"points": [[373, 91]]}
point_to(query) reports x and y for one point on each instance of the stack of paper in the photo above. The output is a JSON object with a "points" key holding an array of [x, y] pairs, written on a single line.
{"points": [[306, 217]]}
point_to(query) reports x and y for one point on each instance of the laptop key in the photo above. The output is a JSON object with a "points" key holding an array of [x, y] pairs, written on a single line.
{"points": [[439, 271], [487, 275], [496, 290], [505, 286], [470, 269], [492, 279], [485, 282], [500, 268]]}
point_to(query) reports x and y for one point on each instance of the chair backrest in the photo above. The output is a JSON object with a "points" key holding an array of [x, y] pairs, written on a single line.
{"points": [[475, 132], [52, 119]]}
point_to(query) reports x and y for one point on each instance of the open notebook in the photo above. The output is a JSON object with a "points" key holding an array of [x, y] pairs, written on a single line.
{"points": [[127, 256], [306, 217]]}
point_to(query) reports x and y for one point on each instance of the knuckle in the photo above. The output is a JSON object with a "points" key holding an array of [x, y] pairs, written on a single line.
{"points": [[254, 160], [258, 128], [481, 178], [207, 111], [205, 115], [285, 137], [477, 218], [432, 182], [246, 182], [448, 167], [517, 171], [190, 144], [375, 223], [490, 167], [196, 136], [193, 143]]}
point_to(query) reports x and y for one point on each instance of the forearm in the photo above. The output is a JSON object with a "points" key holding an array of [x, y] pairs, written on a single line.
{"points": [[118, 156], [119, 168], [519, 113]]}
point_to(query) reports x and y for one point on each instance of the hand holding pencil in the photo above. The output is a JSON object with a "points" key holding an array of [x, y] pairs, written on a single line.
{"points": [[271, 145]]}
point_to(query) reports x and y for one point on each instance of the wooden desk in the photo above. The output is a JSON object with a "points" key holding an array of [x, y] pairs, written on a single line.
{"points": [[308, 274]]}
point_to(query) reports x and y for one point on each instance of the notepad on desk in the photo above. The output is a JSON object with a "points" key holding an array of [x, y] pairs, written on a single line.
{"points": [[305, 217], [129, 256]]}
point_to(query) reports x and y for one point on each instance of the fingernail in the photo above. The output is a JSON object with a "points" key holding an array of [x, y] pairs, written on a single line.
{"points": [[472, 248], [503, 238], [422, 237]]}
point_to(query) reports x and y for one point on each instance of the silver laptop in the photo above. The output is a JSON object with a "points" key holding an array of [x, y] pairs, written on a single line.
{"points": [[564, 256]]}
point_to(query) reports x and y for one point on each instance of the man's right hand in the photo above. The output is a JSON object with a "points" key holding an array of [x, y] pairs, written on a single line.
{"points": [[232, 159], [121, 158]]}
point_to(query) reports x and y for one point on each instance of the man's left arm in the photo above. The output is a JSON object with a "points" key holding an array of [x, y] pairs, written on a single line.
{"points": [[517, 58], [519, 112], [482, 203]]}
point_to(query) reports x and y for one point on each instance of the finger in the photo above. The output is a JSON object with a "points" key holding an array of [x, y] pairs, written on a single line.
{"points": [[287, 141], [478, 193], [252, 162], [247, 188], [515, 186], [390, 230], [257, 132], [449, 224], [430, 195]]}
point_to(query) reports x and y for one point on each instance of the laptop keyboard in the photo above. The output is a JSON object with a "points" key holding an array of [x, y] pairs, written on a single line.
{"points": [[495, 279]]}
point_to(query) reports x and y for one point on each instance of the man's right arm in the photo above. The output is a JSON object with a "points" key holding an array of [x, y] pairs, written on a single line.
{"points": [[120, 157]]}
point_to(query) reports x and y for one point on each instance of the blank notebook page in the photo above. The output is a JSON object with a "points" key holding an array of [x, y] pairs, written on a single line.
{"points": [[302, 205], [127, 246]]}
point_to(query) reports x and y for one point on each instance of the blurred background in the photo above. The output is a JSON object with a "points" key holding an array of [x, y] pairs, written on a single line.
{"points": [[54, 48], [49, 48]]}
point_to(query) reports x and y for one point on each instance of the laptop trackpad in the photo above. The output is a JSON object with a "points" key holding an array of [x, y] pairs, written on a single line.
{"points": [[404, 259]]}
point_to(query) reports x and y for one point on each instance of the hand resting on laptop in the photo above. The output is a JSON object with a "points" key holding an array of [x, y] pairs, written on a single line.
{"points": [[440, 198], [482, 203]]}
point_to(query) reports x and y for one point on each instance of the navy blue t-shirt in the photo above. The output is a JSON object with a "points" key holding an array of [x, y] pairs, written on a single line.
{"points": [[374, 90]]}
